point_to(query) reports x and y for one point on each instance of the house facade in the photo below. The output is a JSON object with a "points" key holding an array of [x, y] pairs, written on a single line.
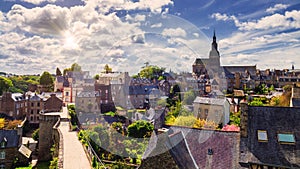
{"points": [[212, 109]]}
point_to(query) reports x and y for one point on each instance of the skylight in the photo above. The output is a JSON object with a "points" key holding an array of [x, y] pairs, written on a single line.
{"points": [[262, 135], [287, 138]]}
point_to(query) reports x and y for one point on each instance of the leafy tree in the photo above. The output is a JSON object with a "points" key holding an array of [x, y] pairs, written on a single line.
{"points": [[256, 102], [67, 70], [5, 84], [46, 79], [107, 69], [189, 97], [35, 135], [96, 77], [140, 129], [235, 118], [188, 121], [151, 72], [261, 89], [58, 72], [75, 67]]}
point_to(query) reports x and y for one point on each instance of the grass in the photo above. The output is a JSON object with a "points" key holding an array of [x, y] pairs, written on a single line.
{"points": [[42, 165]]}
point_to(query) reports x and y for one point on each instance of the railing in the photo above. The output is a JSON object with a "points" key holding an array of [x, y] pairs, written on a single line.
{"points": [[92, 153], [61, 145]]}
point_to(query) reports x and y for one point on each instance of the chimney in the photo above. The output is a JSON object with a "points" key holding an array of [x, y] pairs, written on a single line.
{"points": [[244, 118]]}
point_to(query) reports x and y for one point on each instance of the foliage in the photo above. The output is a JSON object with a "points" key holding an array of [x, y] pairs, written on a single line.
{"points": [[73, 115], [191, 121], [9, 124], [284, 99], [189, 97], [188, 121], [35, 135], [261, 89], [2, 123], [140, 129], [12, 124], [53, 163], [271, 88], [151, 72], [46, 79], [175, 93], [107, 69], [162, 102], [5, 84], [21, 83], [275, 101], [256, 102], [287, 88], [110, 113], [170, 120], [96, 77], [235, 118], [74, 68]]}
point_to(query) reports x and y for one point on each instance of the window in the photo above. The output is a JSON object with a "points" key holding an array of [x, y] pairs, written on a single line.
{"points": [[2, 155], [286, 138], [3, 144], [31, 112], [32, 104], [38, 104], [206, 112], [67, 93], [262, 136]]}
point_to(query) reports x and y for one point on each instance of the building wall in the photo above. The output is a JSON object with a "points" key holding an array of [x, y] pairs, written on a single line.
{"points": [[212, 112], [53, 103], [45, 135]]}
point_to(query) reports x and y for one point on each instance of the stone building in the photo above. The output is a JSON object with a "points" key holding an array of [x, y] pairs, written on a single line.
{"points": [[212, 109], [10, 152]]}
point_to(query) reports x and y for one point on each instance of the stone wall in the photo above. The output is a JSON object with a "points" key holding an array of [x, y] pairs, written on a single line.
{"points": [[46, 133]]}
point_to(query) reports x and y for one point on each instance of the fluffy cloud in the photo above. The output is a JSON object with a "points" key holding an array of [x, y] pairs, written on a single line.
{"points": [[276, 7], [174, 32]]}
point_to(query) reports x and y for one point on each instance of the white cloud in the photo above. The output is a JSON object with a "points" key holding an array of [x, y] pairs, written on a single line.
{"points": [[277, 7], [37, 2], [157, 25], [174, 32]]}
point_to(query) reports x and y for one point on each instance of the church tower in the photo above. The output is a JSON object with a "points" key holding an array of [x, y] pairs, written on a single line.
{"points": [[214, 55]]}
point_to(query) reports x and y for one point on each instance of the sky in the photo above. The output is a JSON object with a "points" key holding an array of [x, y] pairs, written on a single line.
{"points": [[41, 35]]}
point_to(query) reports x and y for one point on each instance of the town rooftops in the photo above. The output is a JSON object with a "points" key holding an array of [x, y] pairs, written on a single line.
{"points": [[17, 96], [211, 101]]}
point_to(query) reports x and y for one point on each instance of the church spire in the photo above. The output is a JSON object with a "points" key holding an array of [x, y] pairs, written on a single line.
{"points": [[214, 44]]}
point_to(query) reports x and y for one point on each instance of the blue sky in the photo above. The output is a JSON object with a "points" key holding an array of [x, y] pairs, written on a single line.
{"points": [[40, 35]]}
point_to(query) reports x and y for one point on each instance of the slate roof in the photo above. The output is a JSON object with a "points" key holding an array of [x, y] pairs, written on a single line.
{"points": [[224, 147], [273, 120], [60, 79], [210, 101], [11, 136], [168, 151], [141, 89]]}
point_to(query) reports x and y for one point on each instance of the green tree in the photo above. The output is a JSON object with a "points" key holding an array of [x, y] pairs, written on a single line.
{"points": [[140, 129], [188, 121], [35, 134], [189, 97], [96, 77], [5, 84], [46, 79], [107, 69], [151, 72], [58, 72], [75, 67], [256, 102]]}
